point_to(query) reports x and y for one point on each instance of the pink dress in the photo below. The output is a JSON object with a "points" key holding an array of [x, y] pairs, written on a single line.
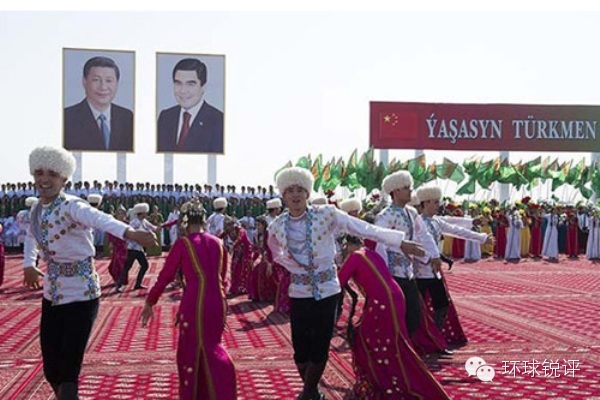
{"points": [[282, 297], [117, 260], [427, 339], [386, 366], [241, 263], [206, 371], [262, 286], [452, 330]]}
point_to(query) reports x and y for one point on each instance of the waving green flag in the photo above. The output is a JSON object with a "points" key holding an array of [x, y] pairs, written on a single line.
{"points": [[317, 172], [335, 175], [468, 188], [450, 170], [304, 162], [417, 168]]}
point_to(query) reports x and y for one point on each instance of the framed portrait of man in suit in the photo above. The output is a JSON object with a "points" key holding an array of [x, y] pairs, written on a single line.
{"points": [[98, 100], [190, 103]]}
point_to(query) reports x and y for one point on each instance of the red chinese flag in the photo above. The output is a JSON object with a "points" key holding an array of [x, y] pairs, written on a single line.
{"points": [[398, 125]]}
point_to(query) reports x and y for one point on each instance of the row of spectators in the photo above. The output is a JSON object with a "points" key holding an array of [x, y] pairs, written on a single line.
{"points": [[165, 196]]}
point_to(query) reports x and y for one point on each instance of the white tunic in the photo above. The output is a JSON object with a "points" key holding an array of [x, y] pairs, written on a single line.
{"points": [[447, 226], [305, 246], [592, 251], [513, 241], [214, 224], [62, 231], [405, 219], [550, 245]]}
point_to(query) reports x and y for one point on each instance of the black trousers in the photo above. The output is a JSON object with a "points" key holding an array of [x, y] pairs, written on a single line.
{"points": [[312, 324], [133, 255], [436, 289], [64, 333], [413, 303]]}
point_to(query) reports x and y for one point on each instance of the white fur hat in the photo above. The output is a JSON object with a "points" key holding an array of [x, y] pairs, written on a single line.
{"points": [[352, 204], [429, 193], [318, 201], [397, 180], [56, 159], [219, 202], [31, 201], [294, 176], [94, 198], [141, 208], [273, 203]]}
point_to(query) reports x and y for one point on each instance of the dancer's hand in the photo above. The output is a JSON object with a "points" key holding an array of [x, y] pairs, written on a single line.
{"points": [[147, 314], [490, 239], [436, 264], [409, 247], [31, 277], [145, 238]]}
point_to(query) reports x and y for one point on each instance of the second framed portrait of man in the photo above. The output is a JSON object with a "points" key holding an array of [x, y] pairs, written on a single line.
{"points": [[98, 100], [190, 103]]}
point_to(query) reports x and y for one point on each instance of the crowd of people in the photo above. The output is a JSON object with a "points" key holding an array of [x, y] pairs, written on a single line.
{"points": [[301, 254]]}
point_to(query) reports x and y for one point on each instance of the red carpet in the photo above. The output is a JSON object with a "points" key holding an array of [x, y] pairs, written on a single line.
{"points": [[513, 314]]}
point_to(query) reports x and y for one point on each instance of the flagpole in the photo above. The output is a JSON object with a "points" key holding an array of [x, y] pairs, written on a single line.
{"points": [[384, 156], [504, 187]]}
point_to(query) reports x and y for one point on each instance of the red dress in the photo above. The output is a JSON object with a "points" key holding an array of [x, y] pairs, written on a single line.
{"points": [[262, 285], [386, 366], [501, 224], [535, 248], [282, 283], [117, 260], [241, 262], [458, 245], [206, 371], [572, 249]]}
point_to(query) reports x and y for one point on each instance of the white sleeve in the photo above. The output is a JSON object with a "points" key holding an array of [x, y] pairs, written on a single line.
{"points": [[357, 227], [452, 230]]}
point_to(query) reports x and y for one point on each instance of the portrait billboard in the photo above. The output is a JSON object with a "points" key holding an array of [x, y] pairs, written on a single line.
{"points": [[190, 103], [98, 100], [490, 127]]}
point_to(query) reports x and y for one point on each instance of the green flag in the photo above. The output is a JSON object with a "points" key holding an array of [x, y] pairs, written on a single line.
{"points": [[450, 170], [485, 174], [364, 170], [574, 174], [467, 188], [332, 176], [349, 178], [317, 172], [304, 162], [417, 168], [560, 175], [595, 180]]}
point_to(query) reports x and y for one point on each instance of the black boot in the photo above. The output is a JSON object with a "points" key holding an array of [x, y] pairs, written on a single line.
{"points": [[311, 381], [447, 260], [68, 391]]}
